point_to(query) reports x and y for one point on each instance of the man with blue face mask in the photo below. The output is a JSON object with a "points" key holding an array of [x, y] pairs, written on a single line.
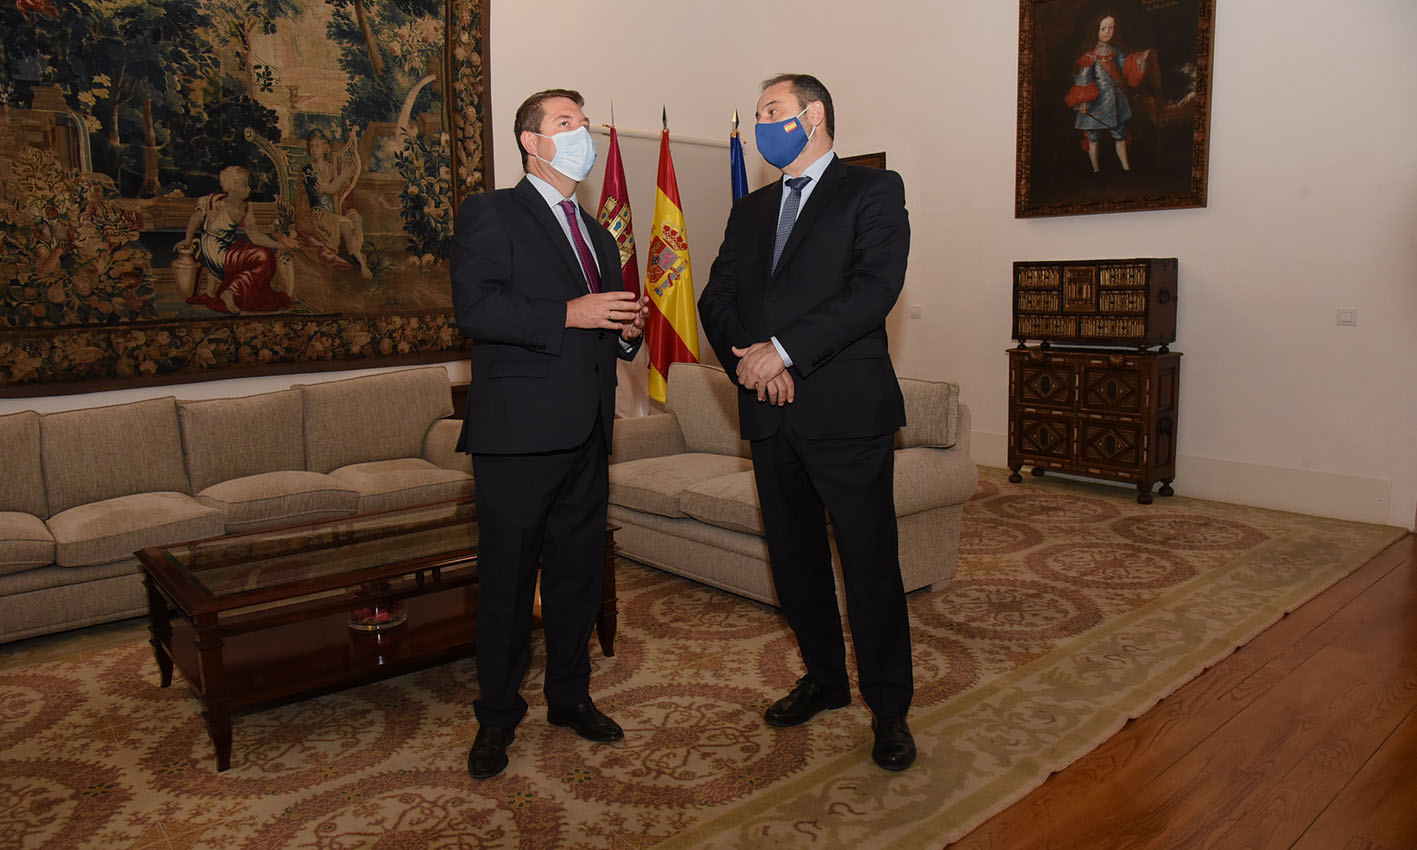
{"points": [[795, 309], [537, 289]]}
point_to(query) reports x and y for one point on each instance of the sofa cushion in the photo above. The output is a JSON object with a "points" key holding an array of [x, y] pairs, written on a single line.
{"points": [[729, 501], [655, 484], [226, 438], [388, 484], [271, 499], [25, 542], [374, 417], [931, 414], [21, 475], [705, 401], [113, 529], [105, 452]]}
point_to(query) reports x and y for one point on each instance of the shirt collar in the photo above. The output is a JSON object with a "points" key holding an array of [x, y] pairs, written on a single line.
{"points": [[549, 193], [815, 170]]}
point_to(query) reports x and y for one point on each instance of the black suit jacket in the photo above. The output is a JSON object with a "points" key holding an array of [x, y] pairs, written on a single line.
{"points": [[839, 275], [536, 384]]}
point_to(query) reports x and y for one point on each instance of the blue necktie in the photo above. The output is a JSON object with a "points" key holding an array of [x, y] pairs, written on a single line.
{"points": [[789, 215]]}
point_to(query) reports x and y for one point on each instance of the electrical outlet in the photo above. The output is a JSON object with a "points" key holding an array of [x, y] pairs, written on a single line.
{"points": [[915, 311], [1347, 318]]}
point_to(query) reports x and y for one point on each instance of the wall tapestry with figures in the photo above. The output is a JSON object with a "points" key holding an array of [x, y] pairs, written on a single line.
{"points": [[199, 189]]}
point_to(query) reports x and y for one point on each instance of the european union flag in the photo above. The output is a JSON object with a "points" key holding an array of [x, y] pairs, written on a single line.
{"points": [[738, 172]]}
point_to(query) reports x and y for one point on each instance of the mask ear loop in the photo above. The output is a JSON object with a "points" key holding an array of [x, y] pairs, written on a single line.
{"points": [[813, 131]]}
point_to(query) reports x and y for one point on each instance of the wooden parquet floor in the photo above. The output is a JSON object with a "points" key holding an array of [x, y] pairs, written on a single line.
{"points": [[1304, 739]]}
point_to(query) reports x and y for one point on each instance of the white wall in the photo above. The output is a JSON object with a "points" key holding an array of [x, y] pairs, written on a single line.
{"points": [[1312, 207]]}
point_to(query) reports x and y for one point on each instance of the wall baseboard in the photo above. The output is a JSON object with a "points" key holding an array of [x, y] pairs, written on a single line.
{"points": [[1302, 491]]}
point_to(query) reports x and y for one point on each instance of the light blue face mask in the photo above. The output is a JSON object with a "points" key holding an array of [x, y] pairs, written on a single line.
{"points": [[575, 153], [782, 141]]}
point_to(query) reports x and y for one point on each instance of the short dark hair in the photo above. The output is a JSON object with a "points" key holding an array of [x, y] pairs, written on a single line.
{"points": [[807, 88], [532, 112]]}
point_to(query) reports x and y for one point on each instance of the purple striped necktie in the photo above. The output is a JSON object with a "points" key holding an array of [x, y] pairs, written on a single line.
{"points": [[592, 276]]}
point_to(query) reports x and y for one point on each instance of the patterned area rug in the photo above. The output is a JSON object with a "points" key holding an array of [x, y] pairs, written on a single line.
{"points": [[1074, 609]]}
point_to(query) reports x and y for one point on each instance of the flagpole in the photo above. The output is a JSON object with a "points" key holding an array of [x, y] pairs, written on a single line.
{"points": [[653, 135]]}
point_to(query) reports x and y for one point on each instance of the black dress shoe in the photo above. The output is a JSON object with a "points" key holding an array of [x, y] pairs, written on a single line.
{"points": [[489, 750], [802, 704], [895, 746], [588, 721]]}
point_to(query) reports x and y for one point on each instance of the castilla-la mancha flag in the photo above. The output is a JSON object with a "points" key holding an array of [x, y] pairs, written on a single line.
{"points": [[632, 391], [672, 332], [615, 215]]}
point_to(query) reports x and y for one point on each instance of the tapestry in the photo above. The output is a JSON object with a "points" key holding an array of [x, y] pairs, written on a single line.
{"points": [[196, 189]]}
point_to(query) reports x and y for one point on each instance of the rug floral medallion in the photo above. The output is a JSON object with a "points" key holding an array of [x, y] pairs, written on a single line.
{"points": [[1073, 610]]}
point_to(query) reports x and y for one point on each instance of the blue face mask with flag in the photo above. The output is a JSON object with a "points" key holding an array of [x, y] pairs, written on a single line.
{"points": [[782, 141]]}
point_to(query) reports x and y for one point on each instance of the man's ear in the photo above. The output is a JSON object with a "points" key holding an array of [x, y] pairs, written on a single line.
{"points": [[528, 140]]}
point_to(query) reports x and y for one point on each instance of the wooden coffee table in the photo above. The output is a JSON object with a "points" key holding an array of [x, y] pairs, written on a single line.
{"points": [[263, 616]]}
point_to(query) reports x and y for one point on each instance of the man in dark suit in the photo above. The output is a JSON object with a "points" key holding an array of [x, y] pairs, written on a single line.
{"points": [[795, 309], [537, 288]]}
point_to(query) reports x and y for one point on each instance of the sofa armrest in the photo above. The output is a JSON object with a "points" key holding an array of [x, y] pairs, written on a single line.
{"points": [[656, 435], [963, 429], [928, 478], [440, 446]]}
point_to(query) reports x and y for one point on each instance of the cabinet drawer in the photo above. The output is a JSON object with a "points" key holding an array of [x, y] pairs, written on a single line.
{"points": [[1044, 437], [1111, 444], [1045, 383], [1112, 389]]}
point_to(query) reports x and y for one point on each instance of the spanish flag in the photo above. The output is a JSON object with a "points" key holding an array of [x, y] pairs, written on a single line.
{"points": [[672, 332]]}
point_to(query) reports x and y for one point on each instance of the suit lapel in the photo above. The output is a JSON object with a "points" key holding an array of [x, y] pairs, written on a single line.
{"points": [[537, 207], [830, 184]]}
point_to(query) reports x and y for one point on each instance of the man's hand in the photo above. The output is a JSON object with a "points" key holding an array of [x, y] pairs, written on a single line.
{"points": [[759, 363], [780, 390], [608, 310], [631, 330]]}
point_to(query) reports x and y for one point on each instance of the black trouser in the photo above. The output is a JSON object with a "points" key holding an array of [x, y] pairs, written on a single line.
{"points": [[852, 480], [547, 512]]}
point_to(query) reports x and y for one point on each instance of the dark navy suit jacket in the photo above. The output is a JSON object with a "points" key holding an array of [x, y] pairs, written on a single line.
{"points": [[536, 385]]}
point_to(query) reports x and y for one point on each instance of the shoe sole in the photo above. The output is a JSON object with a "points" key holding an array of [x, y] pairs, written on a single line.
{"points": [[583, 736], [484, 774], [780, 724], [894, 768]]}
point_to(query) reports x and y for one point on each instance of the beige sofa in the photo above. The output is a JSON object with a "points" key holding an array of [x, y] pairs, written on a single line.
{"points": [[682, 491], [81, 490]]}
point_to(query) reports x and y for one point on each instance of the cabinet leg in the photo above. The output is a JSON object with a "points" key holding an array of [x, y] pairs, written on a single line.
{"points": [[1166, 488], [1014, 477], [1144, 493], [1037, 472]]}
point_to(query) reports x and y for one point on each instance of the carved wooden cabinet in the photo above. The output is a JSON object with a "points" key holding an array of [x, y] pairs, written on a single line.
{"points": [[1096, 302], [1109, 413]]}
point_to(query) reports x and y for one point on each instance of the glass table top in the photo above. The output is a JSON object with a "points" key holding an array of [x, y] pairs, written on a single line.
{"points": [[295, 555]]}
